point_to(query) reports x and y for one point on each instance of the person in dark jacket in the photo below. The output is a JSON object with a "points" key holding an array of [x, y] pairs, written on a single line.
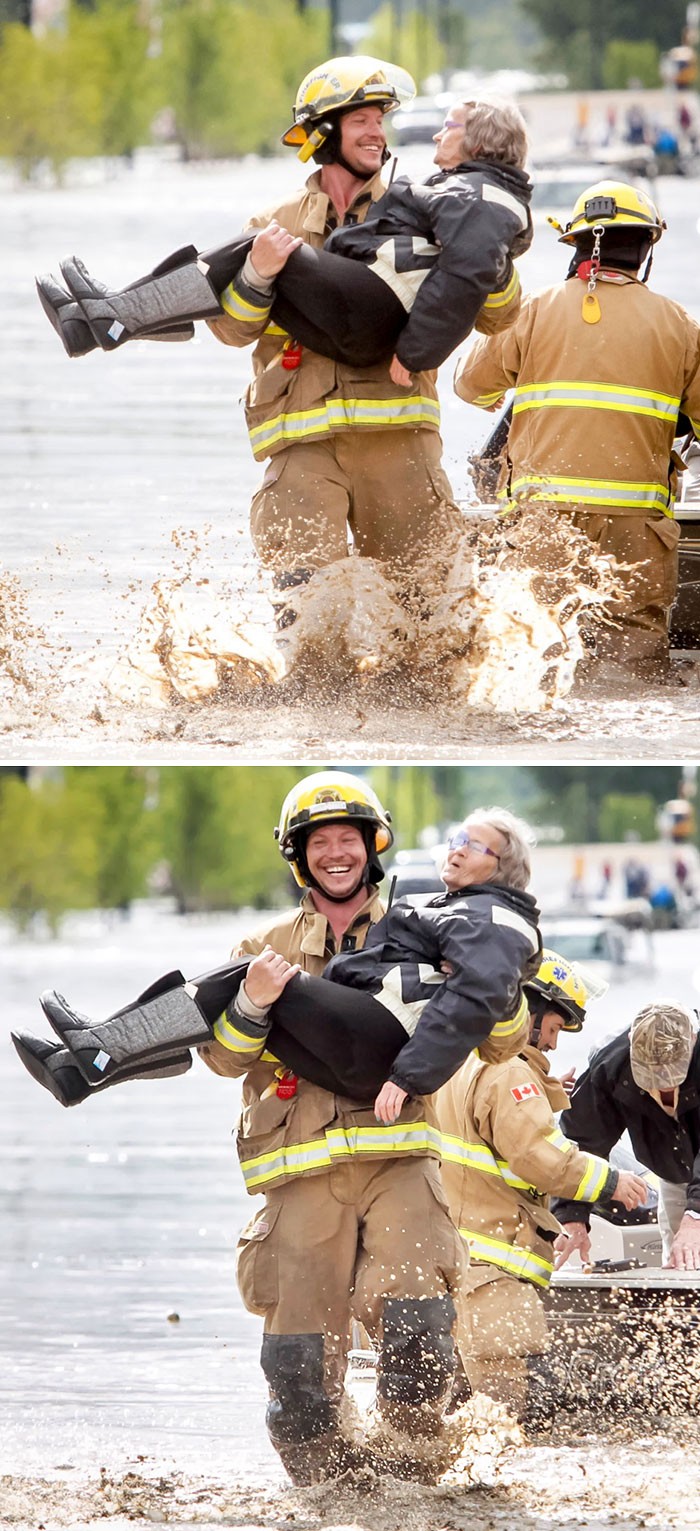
{"points": [[645, 1081], [397, 1018], [425, 260]]}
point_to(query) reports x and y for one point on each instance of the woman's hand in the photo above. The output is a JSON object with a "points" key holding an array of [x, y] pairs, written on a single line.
{"points": [[267, 976], [389, 1101], [399, 375], [271, 250]]}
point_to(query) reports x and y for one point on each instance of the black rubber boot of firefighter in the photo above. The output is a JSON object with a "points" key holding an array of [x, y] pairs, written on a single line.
{"points": [[175, 293], [546, 1392], [302, 1421], [53, 1067], [292, 579], [164, 1020], [66, 316], [417, 1359]]}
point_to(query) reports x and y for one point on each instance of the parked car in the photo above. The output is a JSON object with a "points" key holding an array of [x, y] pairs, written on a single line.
{"points": [[599, 944], [418, 121], [414, 871]]}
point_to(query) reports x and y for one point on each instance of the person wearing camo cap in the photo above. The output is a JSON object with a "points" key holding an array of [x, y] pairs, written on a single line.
{"points": [[645, 1080]]}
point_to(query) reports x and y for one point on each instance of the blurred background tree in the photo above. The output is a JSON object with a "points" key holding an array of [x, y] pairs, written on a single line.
{"points": [[101, 836]]}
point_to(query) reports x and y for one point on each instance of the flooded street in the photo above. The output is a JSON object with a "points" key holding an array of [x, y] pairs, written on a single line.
{"points": [[121, 470], [130, 1389]]}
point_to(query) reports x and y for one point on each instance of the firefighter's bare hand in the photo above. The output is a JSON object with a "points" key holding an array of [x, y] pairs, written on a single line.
{"points": [[399, 374], [573, 1237], [685, 1249], [631, 1190], [267, 976], [568, 1080], [389, 1101], [272, 248]]}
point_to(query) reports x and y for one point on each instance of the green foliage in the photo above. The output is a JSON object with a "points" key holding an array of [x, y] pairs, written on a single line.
{"points": [[86, 88], [626, 63], [415, 45], [101, 836], [50, 101], [622, 816], [216, 834], [588, 42], [48, 856], [230, 95]]}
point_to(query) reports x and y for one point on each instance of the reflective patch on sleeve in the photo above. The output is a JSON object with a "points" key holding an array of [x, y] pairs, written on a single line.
{"points": [[526, 1091], [501, 916], [491, 193]]}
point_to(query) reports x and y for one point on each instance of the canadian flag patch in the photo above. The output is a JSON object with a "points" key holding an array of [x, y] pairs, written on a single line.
{"points": [[525, 1091]]}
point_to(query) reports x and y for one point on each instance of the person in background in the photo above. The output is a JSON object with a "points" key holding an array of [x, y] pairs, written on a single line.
{"points": [[503, 1157], [646, 1082], [600, 366]]}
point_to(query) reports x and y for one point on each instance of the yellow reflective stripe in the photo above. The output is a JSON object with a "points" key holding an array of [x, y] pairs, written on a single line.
{"points": [[593, 1180], [237, 1041], [276, 329], [638, 401], [696, 426], [485, 400], [557, 1140], [239, 308], [508, 1028], [523, 1263], [339, 1143], [506, 295], [476, 1156], [593, 491], [341, 414]]}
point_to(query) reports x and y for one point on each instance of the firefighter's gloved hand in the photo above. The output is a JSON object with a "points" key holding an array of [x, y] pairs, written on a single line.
{"points": [[685, 1249], [387, 1106], [268, 974], [573, 1237]]}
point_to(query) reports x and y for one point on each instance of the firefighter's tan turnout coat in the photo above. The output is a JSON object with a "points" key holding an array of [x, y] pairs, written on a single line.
{"points": [[352, 1205], [346, 446], [594, 416], [503, 1155]]}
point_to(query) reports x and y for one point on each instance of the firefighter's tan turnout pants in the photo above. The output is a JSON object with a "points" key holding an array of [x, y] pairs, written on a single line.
{"points": [[371, 1240], [386, 487], [500, 1324], [641, 640]]}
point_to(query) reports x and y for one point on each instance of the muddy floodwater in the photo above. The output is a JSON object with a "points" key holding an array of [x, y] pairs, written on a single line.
{"points": [[123, 470], [130, 1390]]}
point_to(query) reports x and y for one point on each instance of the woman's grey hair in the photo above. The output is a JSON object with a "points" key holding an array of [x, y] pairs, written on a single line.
{"points": [[495, 130], [514, 864]]}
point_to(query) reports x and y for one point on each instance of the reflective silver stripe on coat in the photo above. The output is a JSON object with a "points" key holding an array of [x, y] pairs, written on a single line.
{"points": [[636, 401]]}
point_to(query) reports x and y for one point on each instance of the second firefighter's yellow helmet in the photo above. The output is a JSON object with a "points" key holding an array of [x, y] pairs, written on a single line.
{"points": [[330, 797], [338, 84], [561, 983], [613, 205]]}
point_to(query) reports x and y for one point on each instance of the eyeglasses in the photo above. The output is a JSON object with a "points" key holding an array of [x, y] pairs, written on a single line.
{"points": [[462, 839], [448, 123]]}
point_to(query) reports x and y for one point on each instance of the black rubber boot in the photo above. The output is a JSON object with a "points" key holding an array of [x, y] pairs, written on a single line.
{"points": [[165, 1019], [71, 326], [66, 316], [54, 1067], [175, 293]]}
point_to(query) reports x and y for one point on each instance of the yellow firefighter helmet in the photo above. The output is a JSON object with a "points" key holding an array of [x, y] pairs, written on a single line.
{"points": [[613, 205], [331, 797], [340, 83], [561, 983]]}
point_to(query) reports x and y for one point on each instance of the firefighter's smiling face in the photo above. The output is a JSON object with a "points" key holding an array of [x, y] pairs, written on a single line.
{"points": [[473, 855], [337, 857], [363, 139]]}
